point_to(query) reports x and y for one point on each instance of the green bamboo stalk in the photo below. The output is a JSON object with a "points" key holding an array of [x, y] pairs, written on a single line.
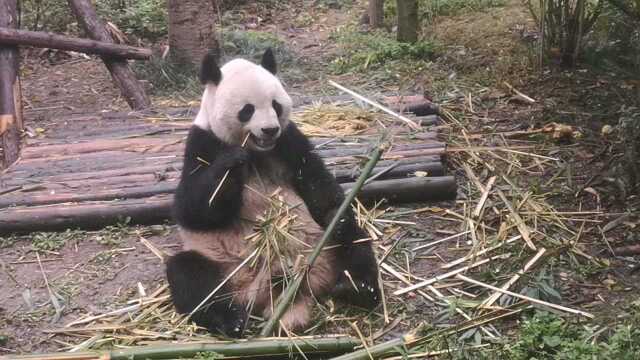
{"points": [[287, 297], [250, 349], [376, 351]]}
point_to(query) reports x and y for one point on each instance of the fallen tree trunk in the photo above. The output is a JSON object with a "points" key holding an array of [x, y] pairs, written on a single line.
{"points": [[41, 39], [10, 94], [131, 89], [157, 209]]}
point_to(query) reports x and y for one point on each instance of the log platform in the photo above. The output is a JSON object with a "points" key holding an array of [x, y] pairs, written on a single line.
{"points": [[95, 170]]}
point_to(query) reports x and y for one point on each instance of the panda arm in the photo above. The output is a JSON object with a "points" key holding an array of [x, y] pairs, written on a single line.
{"points": [[313, 182], [206, 161]]}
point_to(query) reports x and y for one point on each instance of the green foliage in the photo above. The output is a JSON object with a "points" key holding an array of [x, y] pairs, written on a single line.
{"points": [[547, 336], [252, 44], [362, 51], [167, 77], [114, 234], [49, 15], [614, 43], [52, 241], [146, 19], [6, 241], [565, 24], [429, 9]]}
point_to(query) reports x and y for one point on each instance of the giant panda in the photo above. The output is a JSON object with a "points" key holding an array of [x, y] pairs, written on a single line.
{"points": [[243, 99]]}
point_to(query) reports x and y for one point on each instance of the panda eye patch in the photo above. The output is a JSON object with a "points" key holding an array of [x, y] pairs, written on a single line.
{"points": [[246, 113], [277, 107]]}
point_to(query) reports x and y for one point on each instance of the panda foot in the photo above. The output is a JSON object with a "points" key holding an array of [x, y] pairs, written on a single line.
{"points": [[359, 293], [295, 318]]}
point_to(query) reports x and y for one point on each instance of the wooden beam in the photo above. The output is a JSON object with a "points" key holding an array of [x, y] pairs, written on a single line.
{"points": [[157, 209], [41, 39], [130, 87], [10, 96]]}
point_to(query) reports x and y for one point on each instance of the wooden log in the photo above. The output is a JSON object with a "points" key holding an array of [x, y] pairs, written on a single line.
{"points": [[409, 190], [11, 123], [400, 171], [41, 39], [157, 209], [143, 191], [84, 216], [133, 186], [131, 89]]}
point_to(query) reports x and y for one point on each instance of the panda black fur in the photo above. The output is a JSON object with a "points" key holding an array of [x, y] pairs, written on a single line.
{"points": [[242, 98]]}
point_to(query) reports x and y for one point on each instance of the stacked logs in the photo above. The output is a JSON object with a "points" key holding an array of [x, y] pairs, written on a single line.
{"points": [[96, 182]]}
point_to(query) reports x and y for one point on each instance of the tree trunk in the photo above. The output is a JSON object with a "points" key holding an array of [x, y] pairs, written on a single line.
{"points": [[131, 89], [191, 29], [10, 94], [55, 41], [407, 21], [376, 13]]}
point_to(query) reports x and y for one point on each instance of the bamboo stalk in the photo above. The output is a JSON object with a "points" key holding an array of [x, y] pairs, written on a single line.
{"points": [[522, 227], [447, 275], [493, 298], [248, 349], [287, 297], [481, 252], [483, 198], [527, 298]]}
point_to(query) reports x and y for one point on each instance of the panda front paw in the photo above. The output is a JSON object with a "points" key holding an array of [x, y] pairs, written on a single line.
{"points": [[360, 293], [233, 157]]}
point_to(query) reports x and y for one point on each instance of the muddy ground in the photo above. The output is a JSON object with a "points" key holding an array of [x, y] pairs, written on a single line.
{"points": [[99, 271]]}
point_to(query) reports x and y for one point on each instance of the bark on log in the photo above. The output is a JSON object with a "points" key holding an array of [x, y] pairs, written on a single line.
{"points": [[49, 40], [407, 20], [410, 190], [131, 89], [10, 93], [135, 186], [84, 216], [191, 29], [157, 209]]}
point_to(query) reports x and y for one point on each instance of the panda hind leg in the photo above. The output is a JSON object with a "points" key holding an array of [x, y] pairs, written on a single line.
{"points": [[360, 287], [191, 278]]}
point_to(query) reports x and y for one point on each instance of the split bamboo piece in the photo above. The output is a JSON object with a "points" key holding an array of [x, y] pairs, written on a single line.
{"points": [[527, 298]]}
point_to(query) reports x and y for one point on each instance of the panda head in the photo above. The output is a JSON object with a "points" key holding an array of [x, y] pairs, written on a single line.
{"points": [[244, 99]]}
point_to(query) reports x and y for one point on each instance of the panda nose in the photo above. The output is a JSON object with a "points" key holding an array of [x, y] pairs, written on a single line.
{"points": [[270, 131]]}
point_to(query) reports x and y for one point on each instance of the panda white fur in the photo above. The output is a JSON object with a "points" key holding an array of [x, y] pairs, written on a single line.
{"points": [[245, 98]]}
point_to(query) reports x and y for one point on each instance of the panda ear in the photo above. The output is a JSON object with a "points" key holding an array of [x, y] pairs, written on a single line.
{"points": [[209, 70], [269, 61]]}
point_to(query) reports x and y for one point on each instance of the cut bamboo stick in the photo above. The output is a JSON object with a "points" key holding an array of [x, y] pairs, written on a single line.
{"points": [[527, 298], [448, 275], [493, 298], [483, 198], [473, 255], [405, 119], [522, 227]]}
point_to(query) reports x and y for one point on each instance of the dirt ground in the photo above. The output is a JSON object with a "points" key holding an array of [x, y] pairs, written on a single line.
{"points": [[94, 272]]}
